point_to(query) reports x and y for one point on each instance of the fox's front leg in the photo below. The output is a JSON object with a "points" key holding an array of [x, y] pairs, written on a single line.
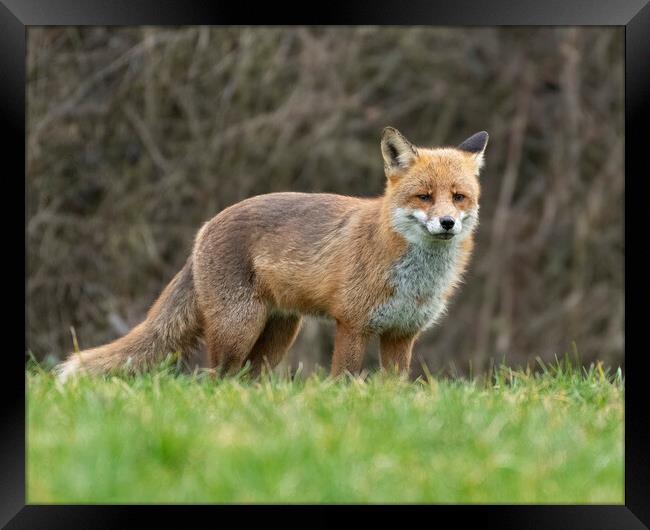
{"points": [[395, 351], [349, 347]]}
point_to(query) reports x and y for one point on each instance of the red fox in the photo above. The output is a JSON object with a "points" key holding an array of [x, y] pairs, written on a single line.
{"points": [[378, 266]]}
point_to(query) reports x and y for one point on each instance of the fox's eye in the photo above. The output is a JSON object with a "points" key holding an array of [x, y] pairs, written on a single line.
{"points": [[458, 197], [424, 197]]}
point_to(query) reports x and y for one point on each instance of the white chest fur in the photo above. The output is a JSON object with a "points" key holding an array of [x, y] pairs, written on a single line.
{"points": [[419, 280]]}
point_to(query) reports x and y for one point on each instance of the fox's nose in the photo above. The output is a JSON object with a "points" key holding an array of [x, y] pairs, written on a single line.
{"points": [[447, 222]]}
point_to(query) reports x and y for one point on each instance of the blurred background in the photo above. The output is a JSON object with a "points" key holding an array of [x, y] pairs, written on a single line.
{"points": [[137, 135]]}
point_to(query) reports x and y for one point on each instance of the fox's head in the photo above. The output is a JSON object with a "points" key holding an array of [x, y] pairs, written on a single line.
{"points": [[432, 194]]}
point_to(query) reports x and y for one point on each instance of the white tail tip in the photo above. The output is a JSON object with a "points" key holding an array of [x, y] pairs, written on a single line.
{"points": [[67, 369]]}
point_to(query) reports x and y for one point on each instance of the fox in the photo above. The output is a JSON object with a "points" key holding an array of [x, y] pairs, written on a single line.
{"points": [[382, 266]]}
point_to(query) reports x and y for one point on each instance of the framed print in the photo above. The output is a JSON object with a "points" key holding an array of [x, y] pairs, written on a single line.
{"points": [[333, 259]]}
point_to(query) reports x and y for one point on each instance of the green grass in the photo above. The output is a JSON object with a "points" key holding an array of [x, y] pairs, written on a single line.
{"points": [[554, 437]]}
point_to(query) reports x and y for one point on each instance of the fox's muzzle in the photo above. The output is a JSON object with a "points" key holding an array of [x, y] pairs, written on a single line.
{"points": [[444, 227]]}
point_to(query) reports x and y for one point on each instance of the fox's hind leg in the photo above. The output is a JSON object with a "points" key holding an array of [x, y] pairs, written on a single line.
{"points": [[230, 332], [278, 336], [232, 313]]}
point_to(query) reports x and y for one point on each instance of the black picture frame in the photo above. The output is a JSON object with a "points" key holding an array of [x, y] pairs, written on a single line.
{"points": [[634, 15]]}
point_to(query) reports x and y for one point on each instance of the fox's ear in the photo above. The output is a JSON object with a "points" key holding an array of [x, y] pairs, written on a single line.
{"points": [[475, 145], [397, 151]]}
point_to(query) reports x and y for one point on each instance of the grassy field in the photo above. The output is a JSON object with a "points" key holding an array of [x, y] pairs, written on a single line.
{"points": [[554, 437]]}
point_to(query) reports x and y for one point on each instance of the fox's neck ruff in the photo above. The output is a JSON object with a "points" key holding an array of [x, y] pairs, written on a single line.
{"points": [[419, 280]]}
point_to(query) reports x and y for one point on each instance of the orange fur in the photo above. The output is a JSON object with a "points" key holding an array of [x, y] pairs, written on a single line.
{"points": [[260, 264]]}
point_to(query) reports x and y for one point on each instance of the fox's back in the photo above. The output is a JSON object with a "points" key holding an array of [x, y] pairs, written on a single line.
{"points": [[287, 225], [300, 248]]}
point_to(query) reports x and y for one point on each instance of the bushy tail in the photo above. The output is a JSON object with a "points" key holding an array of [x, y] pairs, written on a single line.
{"points": [[172, 326]]}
